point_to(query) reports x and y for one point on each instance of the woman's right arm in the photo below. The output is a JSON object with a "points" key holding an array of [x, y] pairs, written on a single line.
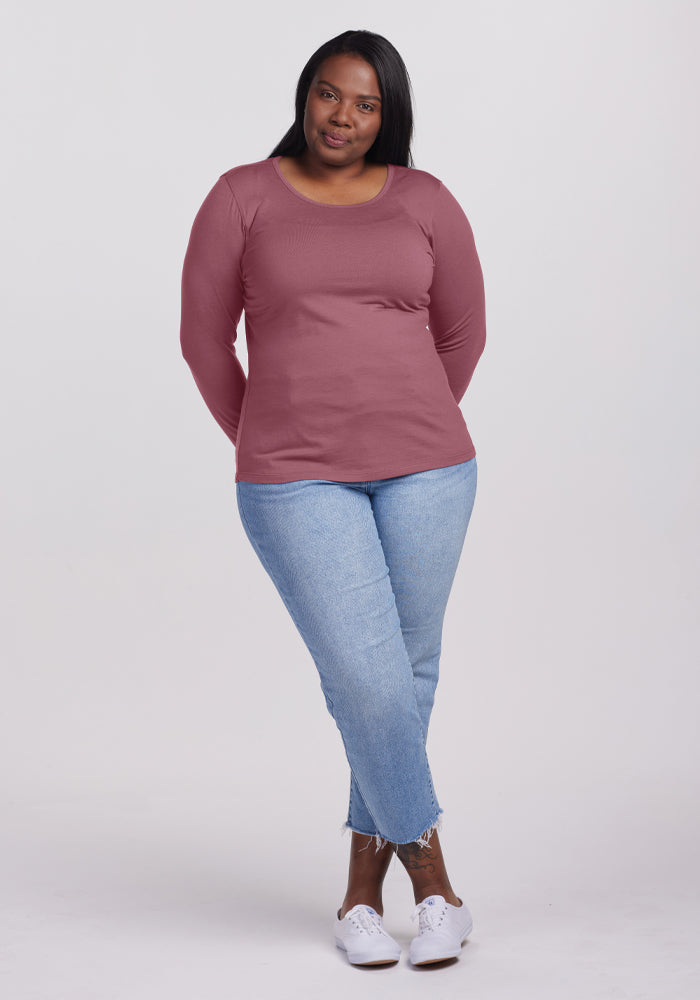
{"points": [[212, 303]]}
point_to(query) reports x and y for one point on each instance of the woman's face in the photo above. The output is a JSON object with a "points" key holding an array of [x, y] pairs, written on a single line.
{"points": [[343, 100]]}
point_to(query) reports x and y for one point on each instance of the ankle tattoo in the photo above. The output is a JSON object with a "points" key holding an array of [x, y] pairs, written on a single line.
{"points": [[416, 858]]}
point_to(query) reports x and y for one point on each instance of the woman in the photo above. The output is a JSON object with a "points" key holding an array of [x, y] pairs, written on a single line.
{"points": [[355, 471]]}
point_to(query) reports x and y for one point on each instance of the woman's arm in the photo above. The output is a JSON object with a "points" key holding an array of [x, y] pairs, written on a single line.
{"points": [[211, 305], [457, 312]]}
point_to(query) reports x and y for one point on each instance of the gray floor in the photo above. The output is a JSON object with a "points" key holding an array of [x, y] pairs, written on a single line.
{"points": [[149, 896]]}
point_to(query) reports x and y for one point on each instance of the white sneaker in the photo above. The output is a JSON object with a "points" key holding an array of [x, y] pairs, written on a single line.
{"points": [[361, 934], [442, 929]]}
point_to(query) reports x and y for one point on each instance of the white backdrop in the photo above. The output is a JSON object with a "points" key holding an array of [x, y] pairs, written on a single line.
{"points": [[172, 785]]}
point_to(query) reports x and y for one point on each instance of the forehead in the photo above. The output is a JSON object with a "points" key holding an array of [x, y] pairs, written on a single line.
{"points": [[348, 72]]}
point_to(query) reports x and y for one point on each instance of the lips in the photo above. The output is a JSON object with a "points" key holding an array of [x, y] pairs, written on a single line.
{"points": [[335, 137]]}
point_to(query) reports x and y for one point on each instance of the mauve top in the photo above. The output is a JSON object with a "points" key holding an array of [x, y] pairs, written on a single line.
{"points": [[363, 325]]}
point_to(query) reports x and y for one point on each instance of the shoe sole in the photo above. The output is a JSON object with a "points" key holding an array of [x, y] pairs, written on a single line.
{"points": [[369, 961]]}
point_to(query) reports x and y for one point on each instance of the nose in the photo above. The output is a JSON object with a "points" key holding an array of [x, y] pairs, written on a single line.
{"points": [[341, 113]]}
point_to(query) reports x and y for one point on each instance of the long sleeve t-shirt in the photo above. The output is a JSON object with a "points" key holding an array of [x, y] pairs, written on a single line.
{"points": [[363, 325]]}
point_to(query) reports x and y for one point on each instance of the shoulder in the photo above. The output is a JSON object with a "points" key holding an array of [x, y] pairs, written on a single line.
{"points": [[248, 179], [418, 181], [422, 190], [442, 202], [248, 185]]}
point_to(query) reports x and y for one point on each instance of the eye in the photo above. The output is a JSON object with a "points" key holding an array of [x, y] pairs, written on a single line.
{"points": [[328, 93]]}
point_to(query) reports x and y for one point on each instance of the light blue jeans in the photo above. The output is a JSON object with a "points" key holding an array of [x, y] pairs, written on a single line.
{"points": [[365, 570]]}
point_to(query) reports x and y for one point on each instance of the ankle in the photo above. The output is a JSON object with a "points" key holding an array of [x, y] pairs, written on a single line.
{"points": [[436, 889], [361, 896]]}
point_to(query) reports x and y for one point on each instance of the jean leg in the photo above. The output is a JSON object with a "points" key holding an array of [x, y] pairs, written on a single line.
{"points": [[422, 521], [318, 542]]}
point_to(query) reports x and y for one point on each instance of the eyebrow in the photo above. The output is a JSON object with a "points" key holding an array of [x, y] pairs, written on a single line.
{"points": [[364, 97]]}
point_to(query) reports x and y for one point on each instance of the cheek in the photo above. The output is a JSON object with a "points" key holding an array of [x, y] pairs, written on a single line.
{"points": [[373, 128], [309, 114]]}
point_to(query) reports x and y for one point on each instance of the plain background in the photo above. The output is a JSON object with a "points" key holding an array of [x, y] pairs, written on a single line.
{"points": [[172, 785]]}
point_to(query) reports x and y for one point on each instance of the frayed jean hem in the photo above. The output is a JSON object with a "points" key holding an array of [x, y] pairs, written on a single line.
{"points": [[423, 840]]}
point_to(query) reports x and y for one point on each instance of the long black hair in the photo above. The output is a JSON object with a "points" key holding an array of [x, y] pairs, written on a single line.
{"points": [[393, 142]]}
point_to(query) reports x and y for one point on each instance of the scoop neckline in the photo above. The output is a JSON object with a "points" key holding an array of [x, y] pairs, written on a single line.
{"points": [[326, 204]]}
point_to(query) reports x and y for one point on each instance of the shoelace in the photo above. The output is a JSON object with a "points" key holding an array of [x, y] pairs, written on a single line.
{"points": [[367, 922], [430, 915]]}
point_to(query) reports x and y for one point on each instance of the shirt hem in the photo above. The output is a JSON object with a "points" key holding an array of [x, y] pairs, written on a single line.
{"points": [[360, 476]]}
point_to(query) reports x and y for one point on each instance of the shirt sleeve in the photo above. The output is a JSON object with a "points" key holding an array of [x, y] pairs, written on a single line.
{"points": [[211, 305], [457, 313]]}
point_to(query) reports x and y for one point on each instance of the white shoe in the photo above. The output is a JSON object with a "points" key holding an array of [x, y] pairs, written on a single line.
{"points": [[442, 929], [361, 934]]}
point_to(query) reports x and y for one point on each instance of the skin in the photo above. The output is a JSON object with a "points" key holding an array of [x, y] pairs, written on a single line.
{"points": [[345, 97], [337, 102], [425, 867]]}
